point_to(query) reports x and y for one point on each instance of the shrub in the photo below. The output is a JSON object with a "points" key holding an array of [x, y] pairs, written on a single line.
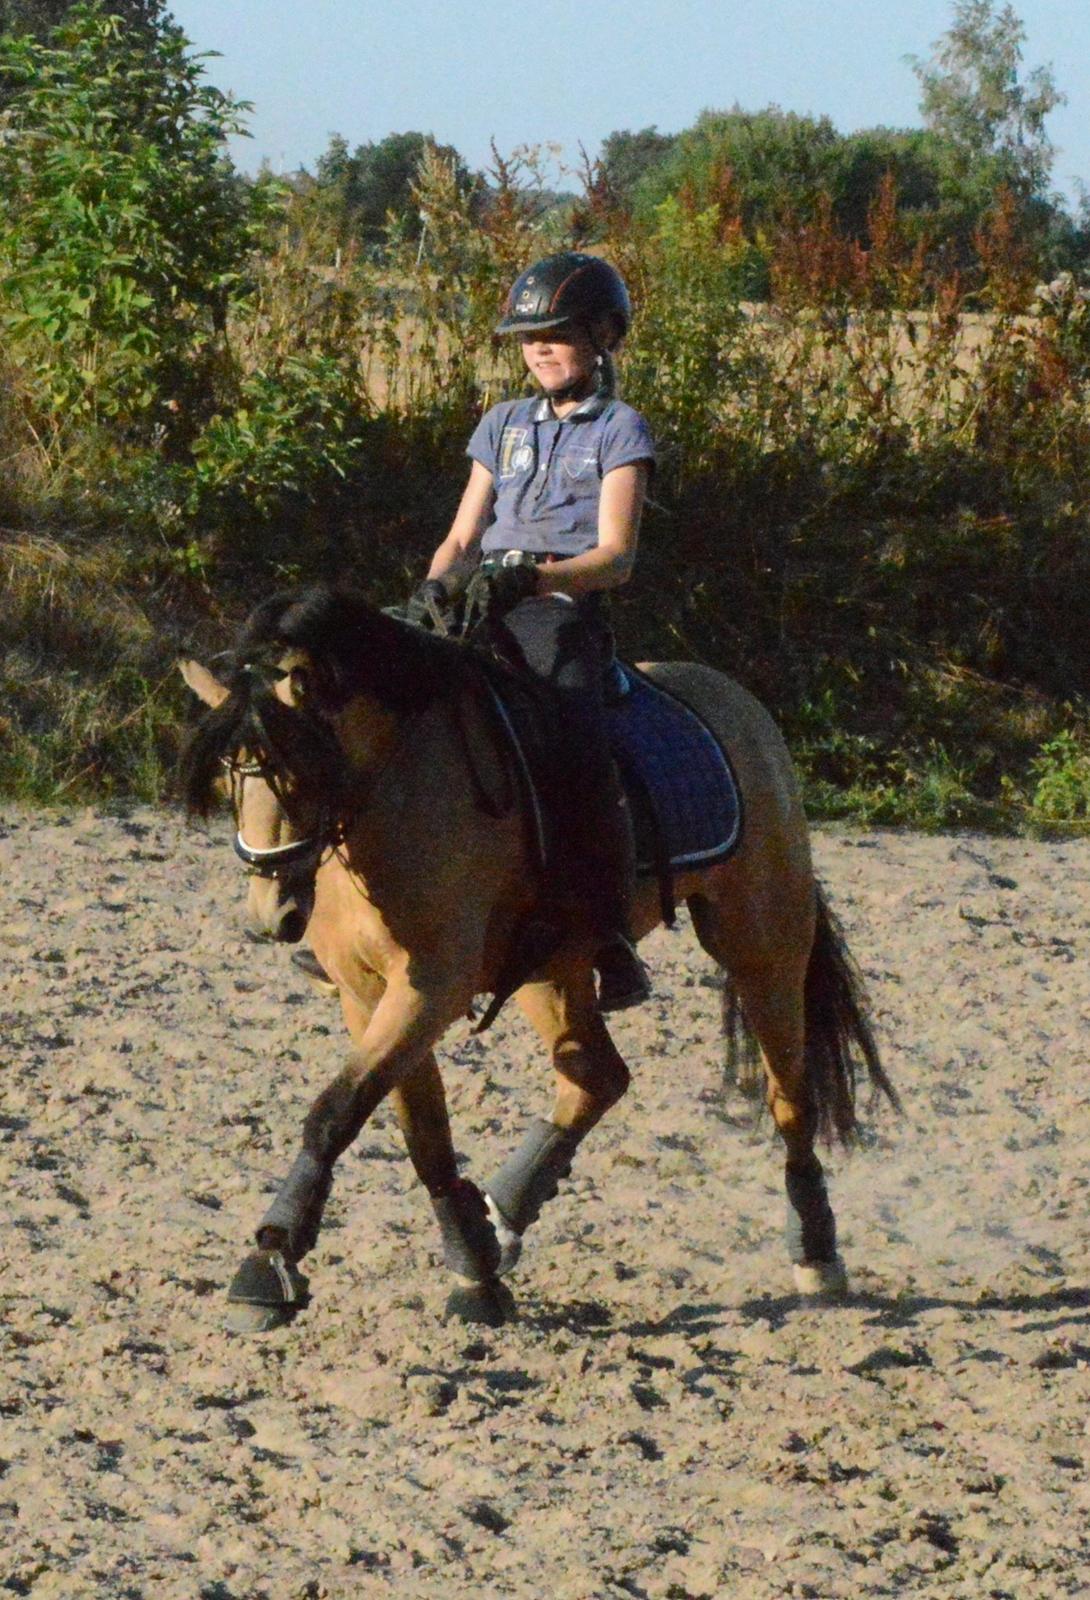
{"points": [[123, 234], [1061, 778]]}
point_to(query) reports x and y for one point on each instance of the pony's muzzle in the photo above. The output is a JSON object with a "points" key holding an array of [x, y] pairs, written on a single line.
{"points": [[292, 926], [279, 911]]}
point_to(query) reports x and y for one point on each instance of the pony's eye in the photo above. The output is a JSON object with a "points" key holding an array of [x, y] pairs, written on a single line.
{"points": [[299, 678]]}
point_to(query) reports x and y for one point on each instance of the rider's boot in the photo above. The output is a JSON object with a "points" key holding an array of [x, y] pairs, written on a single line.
{"points": [[622, 976]]}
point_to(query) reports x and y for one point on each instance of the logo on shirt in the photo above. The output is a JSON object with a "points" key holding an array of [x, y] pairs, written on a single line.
{"points": [[516, 456], [576, 465]]}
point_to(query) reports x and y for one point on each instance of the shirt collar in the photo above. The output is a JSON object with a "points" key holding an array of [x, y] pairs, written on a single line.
{"points": [[591, 407]]}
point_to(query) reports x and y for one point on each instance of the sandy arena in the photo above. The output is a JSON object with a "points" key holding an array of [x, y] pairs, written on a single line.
{"points": [[665, 1420]]}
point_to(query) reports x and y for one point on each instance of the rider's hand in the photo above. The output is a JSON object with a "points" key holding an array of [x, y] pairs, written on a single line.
{"points": [[508, 586], [426, 600]]}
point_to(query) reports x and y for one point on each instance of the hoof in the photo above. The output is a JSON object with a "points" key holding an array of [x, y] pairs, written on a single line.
{"points": [[486, 1304], [510, 1242], [266, 1293], [821, 1277], [243, 1318]]}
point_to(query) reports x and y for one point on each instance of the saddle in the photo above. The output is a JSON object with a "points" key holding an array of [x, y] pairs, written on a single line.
{"points": [[682, 792]]}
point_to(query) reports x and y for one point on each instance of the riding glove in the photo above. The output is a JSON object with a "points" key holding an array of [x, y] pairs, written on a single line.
{"points": [[426, 603]]}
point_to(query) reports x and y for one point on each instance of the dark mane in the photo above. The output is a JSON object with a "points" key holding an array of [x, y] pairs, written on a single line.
{"points": [[356, 649]]}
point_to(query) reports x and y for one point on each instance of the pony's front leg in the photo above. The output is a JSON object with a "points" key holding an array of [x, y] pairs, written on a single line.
{"points": [[590, 1078], [394, 1027]]}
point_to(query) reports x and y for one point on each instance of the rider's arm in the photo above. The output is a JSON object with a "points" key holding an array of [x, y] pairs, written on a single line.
{"points": [[456, 557], [610, 562]]}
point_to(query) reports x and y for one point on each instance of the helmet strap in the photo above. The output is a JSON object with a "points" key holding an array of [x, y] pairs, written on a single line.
{"points": [[602, 381], [577, 389], [606, 376]]}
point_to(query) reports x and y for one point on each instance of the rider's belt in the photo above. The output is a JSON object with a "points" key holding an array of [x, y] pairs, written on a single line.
{"points": [[513, 558]]}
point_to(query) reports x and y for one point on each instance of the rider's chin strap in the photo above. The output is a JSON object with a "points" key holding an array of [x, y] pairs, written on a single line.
{"points": [[602, 390]]}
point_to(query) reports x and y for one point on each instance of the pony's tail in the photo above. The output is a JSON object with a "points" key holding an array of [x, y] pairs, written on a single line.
{"points": [[837, 1033]]}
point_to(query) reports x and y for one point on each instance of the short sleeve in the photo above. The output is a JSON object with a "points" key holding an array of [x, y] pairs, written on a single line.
{"points": [[484, 443], [626, 439]]}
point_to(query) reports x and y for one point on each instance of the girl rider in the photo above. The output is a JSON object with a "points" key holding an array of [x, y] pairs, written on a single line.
{"points": [[551, 515]]}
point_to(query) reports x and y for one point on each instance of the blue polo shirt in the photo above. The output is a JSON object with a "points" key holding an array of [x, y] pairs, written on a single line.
{"points": [[548, 473]]}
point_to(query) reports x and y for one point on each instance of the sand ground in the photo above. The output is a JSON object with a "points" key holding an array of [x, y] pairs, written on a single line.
{"points": [[664, 1420]]}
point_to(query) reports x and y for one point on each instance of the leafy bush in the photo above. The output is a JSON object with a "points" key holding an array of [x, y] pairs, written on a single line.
{"points": [[1061, 778], [123, 235], [290, 431]]}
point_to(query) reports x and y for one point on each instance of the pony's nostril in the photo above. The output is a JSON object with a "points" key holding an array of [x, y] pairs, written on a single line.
{"points": [[292, 927]]}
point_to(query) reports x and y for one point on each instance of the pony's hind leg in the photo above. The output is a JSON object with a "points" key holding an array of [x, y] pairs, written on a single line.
{"points": [[771, 991], [470, 1247], [590, 1077]]}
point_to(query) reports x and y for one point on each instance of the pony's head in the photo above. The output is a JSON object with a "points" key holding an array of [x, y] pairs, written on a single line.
{"points": [[298, 713]]}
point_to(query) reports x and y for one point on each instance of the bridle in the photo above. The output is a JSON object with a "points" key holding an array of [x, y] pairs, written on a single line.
{"points": [[278, 859]]}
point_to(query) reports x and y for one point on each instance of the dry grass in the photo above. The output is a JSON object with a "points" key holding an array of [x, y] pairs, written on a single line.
{"points": [[86, 671]]}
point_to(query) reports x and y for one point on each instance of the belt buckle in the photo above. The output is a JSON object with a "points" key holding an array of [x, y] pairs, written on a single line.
{"points": [[512, 558]]}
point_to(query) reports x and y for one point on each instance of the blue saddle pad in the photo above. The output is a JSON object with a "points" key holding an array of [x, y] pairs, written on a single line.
{"points": [[664, 750]]}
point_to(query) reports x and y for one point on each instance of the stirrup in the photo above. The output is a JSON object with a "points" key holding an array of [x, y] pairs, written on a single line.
{"points": [[622, 976]]}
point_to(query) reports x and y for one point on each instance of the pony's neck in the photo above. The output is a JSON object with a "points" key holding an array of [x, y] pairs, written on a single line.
{"points": [[368, 734]]}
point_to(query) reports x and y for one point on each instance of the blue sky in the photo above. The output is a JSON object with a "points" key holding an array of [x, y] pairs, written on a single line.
{"points": [[572, 71]]}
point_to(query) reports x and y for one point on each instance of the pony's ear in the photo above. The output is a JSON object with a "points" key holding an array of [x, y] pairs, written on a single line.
{"points": [[203, 684]]}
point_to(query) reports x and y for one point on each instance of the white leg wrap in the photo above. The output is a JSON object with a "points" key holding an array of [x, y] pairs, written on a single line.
{"points": [[510, 1241], [821, 1277]]}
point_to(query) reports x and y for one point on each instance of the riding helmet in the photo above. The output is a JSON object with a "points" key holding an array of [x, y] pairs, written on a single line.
{"points": [[570, 287]]}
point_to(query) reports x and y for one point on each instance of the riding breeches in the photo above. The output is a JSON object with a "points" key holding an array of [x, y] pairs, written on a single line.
{"points": [[569, 644]]}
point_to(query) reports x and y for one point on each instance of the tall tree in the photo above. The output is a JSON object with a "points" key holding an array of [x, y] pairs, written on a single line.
{"points": [[39, 17], [775, 160], [627, 157], [124, 234], [973, 95], [375, 182]]}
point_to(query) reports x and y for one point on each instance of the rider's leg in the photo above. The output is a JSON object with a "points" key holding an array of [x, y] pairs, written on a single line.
{"points": [[569, 644]]}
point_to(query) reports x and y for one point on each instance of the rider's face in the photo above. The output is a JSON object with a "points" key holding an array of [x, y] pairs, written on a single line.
{"points": [[559, 356]]}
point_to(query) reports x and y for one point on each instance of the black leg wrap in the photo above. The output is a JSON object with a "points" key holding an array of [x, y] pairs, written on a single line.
{"points": [[300, 1201], [470, 1246], [811, 1226], [532, 1175]]}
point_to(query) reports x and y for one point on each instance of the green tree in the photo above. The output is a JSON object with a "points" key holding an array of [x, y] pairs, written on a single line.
{"points": [[775, 160], [974, 97], [40, 17], [627, 158], [374, 184], [123, 232]]}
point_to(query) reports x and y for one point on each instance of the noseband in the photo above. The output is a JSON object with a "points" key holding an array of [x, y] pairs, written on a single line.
{"points": [[278, 859], [275, 862]]}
